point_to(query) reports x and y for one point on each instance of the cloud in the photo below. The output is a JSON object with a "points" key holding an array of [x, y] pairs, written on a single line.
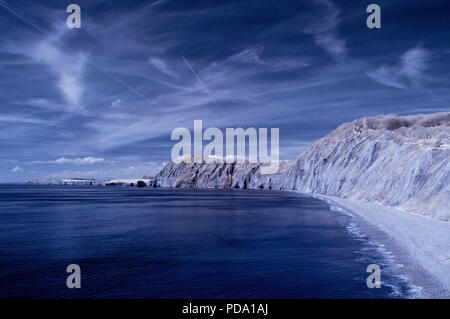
{"points": [[251, 57], [389, 76], [324, 30], [335, 47], [414, 64], [158, 2], [75, 161], [162, 66], [44, 104], [21, 119], [17, 169], [66, 134], [409, 71], [116, 102], [67, 67]]}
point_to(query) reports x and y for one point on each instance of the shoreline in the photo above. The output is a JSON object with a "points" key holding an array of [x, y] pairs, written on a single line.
{"points": [[420, 244]]}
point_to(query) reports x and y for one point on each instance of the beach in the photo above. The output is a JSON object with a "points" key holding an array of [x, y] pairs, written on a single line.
{"points": [[419, 243]]}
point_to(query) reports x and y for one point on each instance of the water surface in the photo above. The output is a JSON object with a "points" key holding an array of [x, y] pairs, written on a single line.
{"points": [[156, 243]]}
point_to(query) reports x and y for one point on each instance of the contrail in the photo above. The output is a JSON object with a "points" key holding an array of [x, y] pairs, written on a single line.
{"points": [[202, 84], [18, 14], [123, 84], [5, 5]]}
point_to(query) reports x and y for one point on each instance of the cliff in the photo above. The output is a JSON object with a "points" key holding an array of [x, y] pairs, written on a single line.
{"points": [[396, 161]]}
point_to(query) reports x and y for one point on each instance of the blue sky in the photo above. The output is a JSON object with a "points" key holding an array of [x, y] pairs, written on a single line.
{"points": [[101, 101]]}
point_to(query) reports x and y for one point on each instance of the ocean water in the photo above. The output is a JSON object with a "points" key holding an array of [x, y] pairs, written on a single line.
{"points": [[156, 243]]}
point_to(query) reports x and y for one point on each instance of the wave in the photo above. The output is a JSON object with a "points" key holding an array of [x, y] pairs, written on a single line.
{"points": [[400, 285]]}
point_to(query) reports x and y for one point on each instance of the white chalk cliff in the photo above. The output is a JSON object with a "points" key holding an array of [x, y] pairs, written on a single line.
{"points": [[396, 161]]}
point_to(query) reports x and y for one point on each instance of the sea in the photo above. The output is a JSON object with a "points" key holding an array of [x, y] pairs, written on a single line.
{"points": [[170, 243]]}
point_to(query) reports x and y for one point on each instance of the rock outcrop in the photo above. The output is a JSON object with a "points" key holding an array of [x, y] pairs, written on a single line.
{"points": [[396, 161]]}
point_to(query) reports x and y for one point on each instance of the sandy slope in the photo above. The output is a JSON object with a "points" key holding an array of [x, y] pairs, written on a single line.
{"points": [[421, 244]]}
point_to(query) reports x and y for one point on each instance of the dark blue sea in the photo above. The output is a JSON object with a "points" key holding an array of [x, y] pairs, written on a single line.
{"points": [[156, 243]]}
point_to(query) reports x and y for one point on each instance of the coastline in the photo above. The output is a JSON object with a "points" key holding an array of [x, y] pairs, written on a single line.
{"points": [[420, 244]]}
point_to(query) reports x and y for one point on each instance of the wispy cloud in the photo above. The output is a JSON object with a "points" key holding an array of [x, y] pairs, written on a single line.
{"points": [[162, 66], [414, 64], [116, 102], [68, 68], [409, 71], [324, 30], [17, 169], [251, 57], [75, 161], [22, 119], [158, 2]]}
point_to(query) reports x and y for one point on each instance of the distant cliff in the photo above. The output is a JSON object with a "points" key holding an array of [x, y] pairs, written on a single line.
{"points": [[218, 175], [388, 159], [140, 182]]}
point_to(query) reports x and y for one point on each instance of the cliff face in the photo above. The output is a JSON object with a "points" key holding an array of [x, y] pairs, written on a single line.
{"points": [[218, 175], [396, 161]]}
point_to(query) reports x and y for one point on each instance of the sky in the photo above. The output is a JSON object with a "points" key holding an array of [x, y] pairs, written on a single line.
{"points": [[101, 101]]}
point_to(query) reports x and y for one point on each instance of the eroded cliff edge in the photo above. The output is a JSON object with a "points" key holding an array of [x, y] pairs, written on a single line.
{"points": [[400, 161]]}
